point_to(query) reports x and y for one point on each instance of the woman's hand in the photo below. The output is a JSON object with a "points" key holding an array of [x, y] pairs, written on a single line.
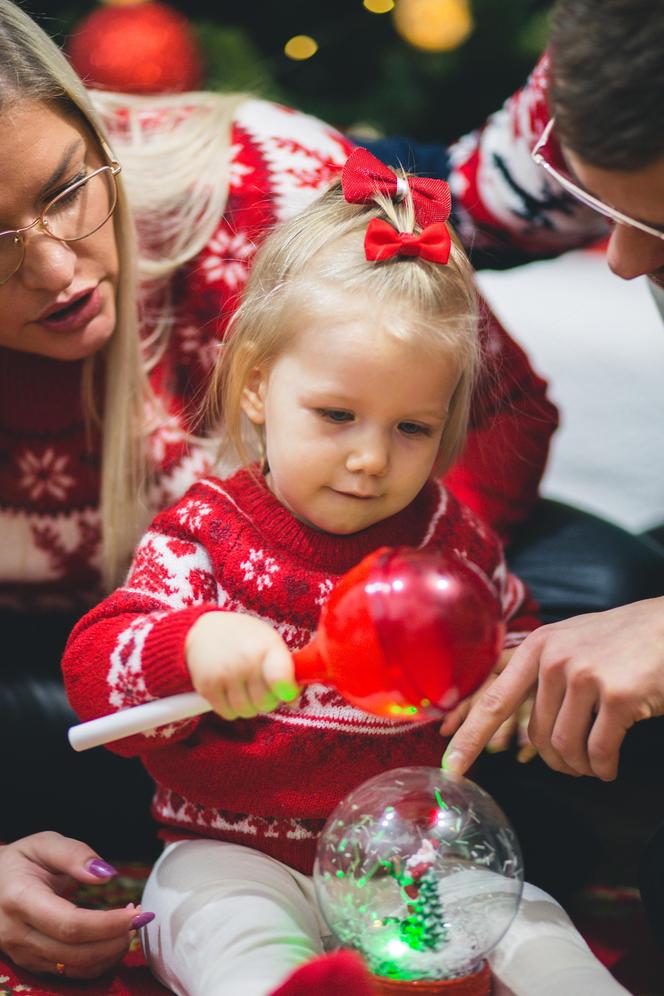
{"points": [[239, 664], [43, 932]]}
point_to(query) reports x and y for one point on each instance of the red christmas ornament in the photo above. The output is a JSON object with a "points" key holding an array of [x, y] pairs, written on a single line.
{"points": [[137, 48], [406, 634]]}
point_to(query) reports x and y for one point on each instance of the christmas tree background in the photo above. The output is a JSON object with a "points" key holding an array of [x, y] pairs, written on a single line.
{"points": [[366, 75]]}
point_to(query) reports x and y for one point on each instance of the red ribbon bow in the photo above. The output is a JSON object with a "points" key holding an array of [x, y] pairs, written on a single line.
{"points": [[363, 176], [382, 241]]}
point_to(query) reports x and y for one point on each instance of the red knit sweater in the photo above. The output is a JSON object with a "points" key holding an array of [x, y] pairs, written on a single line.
{"points": [[503, 201], [269, 782], [49, 469]]}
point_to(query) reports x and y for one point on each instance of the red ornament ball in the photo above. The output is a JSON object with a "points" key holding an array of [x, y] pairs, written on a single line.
{"points": [[406, 633], [143, 48]]}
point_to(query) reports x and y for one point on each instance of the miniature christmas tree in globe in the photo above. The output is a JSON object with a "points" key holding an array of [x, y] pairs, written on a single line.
{"points": [[419, 871]]}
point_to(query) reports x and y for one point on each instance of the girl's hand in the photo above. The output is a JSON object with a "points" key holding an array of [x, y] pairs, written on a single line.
{"points": [[239, 664], [45, 933], [513, 729]]}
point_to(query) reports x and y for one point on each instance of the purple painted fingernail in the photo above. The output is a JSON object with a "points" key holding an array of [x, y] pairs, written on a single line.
{"points": [[141, 920], [100, 868]]}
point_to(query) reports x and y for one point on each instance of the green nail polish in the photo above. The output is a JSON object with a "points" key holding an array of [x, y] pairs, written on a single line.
{"points": [[286, 690]]}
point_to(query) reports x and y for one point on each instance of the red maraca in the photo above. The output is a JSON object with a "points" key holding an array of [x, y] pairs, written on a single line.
{"points": [[406, 633]]}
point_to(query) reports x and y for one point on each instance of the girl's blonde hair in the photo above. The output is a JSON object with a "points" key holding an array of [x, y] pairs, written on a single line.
{"points": [[313, 266], [172, 191]]}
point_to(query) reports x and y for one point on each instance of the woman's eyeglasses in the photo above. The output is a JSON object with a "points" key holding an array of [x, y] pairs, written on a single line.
{"points": [[545, 154], [75, 213]]}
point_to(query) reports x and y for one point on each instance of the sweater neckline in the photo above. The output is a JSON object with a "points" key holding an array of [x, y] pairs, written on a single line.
{"points": [[279, 527]]}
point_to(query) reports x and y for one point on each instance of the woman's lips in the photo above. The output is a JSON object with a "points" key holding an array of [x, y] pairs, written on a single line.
{"points": [[75, 315]]}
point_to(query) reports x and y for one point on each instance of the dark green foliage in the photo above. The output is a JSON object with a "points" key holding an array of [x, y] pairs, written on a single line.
{"points": [[364, 74]]}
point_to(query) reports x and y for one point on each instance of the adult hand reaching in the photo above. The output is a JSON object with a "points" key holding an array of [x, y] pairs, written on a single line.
{"points": [[593, 677], [512, 731], [43, 932]]}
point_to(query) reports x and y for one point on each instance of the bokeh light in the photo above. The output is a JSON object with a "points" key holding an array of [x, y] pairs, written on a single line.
{"points": [[300, 47], [379, 6], [434, 25]]}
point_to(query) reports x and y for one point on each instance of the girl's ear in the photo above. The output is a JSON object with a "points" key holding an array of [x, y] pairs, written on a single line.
{"points": [[253, 396]]}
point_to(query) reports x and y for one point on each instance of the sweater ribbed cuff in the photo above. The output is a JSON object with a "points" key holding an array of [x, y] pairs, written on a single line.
{"points": [[164, 664]]}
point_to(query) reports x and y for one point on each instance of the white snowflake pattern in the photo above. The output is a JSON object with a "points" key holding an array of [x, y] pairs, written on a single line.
{"points": [[238, 170], [192, 512], [294, 636], [168, 434], [324, 589], [192, 340], [125, 674], [45, 474], [252, 568], [229, 257]]}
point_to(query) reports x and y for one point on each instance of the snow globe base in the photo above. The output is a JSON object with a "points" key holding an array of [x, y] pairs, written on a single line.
{"points": [[477, 984]]}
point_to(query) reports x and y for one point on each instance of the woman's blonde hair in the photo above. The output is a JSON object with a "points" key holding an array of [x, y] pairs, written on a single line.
{"points": [[172, 190], [315, 265]]}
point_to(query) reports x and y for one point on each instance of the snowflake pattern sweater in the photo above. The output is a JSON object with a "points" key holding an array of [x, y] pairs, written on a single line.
{"points": [[229, 545], [49, 469], [503, 201]]}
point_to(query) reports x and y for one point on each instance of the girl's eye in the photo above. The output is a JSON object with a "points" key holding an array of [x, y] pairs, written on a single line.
{"points": [[414, 429], [336, 415]]}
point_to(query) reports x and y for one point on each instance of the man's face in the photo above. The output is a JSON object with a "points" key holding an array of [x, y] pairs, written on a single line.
{"points": [[639, 194]]}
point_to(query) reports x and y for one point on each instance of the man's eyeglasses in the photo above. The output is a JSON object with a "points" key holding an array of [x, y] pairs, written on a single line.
{"points": [[75, 213], [545, 154]]}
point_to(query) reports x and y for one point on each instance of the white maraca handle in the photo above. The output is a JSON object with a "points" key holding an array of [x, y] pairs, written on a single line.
{"points": [[138, 719]]}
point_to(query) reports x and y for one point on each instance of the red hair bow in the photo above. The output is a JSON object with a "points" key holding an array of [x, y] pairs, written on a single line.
{"points": [[363, 176], [382, 241]]}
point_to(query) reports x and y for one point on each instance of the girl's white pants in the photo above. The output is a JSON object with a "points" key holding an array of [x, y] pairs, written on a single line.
{"points": [[231, 921]]}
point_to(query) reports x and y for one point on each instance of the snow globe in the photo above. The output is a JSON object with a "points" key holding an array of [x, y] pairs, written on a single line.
{"points": [[421, 873]]}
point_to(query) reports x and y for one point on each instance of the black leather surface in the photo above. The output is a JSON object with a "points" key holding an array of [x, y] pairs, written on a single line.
{"points": [[575, 562], [44, 784]]}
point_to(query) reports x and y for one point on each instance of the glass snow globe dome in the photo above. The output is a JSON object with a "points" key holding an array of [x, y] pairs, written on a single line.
{"points": [[420, 872]]}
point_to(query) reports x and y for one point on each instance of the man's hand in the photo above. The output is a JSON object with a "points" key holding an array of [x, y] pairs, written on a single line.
{"points": [[592, 678], [513, 730], [38, 928]]}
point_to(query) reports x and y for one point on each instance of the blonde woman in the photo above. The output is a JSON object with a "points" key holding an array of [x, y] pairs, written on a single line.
{"points": [[127, 228]]}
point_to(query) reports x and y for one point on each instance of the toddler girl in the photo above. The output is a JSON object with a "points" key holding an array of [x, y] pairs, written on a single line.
{"points": [[351, 361]]}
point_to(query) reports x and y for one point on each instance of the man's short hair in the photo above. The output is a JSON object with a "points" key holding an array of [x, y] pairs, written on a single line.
{"points": [[607, 85]]}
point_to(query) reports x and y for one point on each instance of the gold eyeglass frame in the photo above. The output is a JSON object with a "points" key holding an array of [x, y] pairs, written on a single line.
{"points": [[113, 167]]}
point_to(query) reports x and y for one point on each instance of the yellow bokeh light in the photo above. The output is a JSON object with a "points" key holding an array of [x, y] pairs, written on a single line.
{"points": [[378, 6], [300, 47], [434, 25]]}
